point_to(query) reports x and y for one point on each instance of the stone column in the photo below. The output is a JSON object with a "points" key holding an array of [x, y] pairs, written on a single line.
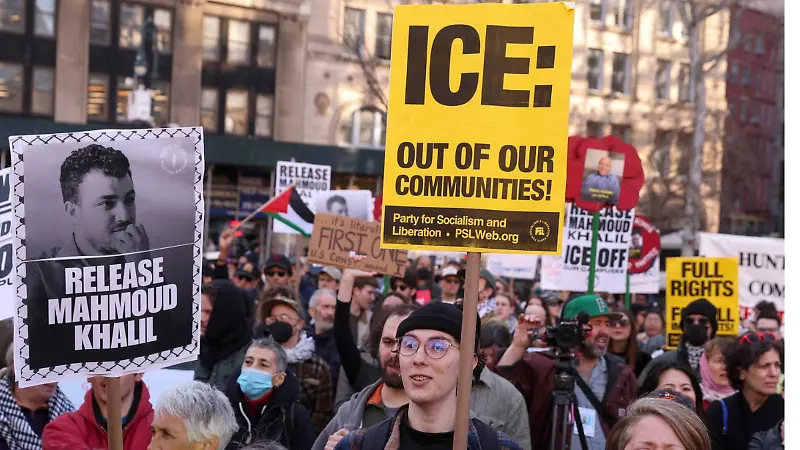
{"points": [[72, 62], [187, 63], [290, 79]]}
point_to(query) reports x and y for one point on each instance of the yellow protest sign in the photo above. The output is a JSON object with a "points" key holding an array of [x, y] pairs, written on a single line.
{"points": [[714, 279], [476, 144]]}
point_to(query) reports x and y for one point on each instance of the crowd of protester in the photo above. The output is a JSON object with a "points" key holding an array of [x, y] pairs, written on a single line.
{"points": [[323, 358]]}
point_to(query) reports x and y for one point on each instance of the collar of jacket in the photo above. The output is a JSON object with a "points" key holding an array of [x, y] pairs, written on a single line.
{"points": [[473, 442]]}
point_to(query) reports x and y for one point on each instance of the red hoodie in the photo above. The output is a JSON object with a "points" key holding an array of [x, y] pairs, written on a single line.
{"points": [[80, 431]]}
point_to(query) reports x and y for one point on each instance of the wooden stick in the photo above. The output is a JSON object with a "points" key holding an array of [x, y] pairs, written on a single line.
{"points": [[114, 411], [467, 351]]}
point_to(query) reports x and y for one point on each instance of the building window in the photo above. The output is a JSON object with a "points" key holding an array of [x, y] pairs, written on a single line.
{"points": [[266, 46], [595, 69], [731, 108], [10, 87], [354, 29], [663, 152], [209, 109], [745, 76], [236, 106], [685, 148], [685, 85], [45, 18], [597, 11], [624, 132], [757, 78], [594, 129], [383, 39], [733, 73], [743, 110], [97, 108], [759, 45], [623, 13], [755, 117], [264, 115], [665, 19], [662, 79], [160, 100], [42, 100], [12, 16], [162, 19], [211, 33], [131, 19], [620, 75], [748, 43], [238, 42], [99, 31], [365, 128]]}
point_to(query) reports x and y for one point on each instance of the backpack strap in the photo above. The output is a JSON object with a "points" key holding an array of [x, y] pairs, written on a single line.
{"points": [[487, 436], [724, 418]]}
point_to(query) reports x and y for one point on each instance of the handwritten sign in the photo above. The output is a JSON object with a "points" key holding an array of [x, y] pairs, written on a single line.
{"points": [[335, 238]]}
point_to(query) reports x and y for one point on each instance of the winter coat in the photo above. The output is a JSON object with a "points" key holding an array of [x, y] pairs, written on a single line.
{"points": [[79, 430], [767, 440], [282, 418]]}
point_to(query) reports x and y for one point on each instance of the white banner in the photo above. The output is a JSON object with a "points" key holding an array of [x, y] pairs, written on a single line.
{"points": [[309, 179], [570, 270], [512, 265], [647, 282], [762, 266], [6, 253]]}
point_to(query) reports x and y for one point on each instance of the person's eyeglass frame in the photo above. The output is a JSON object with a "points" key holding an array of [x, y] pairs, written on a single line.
{"points": [[428, 350], [751, 338]]}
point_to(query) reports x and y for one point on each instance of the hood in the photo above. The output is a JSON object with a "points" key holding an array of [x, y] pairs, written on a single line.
{"points": [[228, 329], [142, 410]]}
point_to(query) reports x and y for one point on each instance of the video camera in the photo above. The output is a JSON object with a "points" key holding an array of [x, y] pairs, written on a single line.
{"points": [[565, 335]]}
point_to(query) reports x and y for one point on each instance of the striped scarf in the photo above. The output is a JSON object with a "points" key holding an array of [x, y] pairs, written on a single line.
{"points": [[14, 427]]}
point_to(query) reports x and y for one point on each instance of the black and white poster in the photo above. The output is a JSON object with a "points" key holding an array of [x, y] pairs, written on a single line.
{"points": [[108, 232], [308, 180], [570, 270], [6, 253], [357, 204]]}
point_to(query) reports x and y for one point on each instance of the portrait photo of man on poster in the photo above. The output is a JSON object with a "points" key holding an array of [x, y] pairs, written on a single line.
{"points": [[346, 202], [602, 174]]}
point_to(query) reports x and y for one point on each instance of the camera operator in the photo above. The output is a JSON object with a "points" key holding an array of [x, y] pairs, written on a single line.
{"points": [[612, 383]]}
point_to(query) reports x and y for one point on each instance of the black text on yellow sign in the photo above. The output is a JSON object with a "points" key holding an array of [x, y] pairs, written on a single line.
{"points": [[477, 134], [715, 279]]}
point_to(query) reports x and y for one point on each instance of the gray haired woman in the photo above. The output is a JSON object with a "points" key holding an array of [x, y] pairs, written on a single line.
{"points": [[24, 412]]}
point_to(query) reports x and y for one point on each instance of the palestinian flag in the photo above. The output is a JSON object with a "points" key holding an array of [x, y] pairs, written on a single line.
{"points": [[290, 209]]}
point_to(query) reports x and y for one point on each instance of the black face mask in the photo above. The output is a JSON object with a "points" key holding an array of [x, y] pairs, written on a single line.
{"points": [[280, 331], [696, 334], [423, 274]]}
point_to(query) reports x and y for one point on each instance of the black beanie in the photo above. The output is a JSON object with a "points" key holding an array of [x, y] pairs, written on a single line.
{"points": [[437, 316], [706, 309]]}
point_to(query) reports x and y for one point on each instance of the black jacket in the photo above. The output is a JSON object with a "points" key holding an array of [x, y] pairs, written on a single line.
{"points": [[742, 424], [325, 347], [767, 440], [283, 419]]}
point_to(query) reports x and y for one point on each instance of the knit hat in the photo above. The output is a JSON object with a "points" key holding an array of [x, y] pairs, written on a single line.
{"points": [[706, 309], [437, 316]]}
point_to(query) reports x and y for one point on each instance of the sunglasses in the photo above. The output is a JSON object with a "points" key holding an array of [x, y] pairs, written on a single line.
{"points": [[400, 287], [666, 395], [619, 322], [755, 337], [275, 273], [698, 321], [244, 278]]}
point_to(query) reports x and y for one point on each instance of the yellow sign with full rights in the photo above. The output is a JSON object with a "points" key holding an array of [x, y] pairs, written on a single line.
{"points": [[476, 144], [714, 279]]}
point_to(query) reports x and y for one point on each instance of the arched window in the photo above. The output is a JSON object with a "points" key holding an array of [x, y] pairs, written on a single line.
{"points": [[366, 127]]}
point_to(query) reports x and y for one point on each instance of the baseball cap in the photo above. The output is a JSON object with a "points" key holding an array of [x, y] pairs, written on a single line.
{"points": [[449, 271], [278, 261], [333, 272], [590, 304], [486, 275], [247, 270], [269, 304]]}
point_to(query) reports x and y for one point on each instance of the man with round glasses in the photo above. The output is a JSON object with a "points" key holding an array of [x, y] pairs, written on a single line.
{"points": [[698, 325], [428, 352]]}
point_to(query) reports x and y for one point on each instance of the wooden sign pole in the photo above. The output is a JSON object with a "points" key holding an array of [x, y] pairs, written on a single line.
{"points": [[114, 411], [467, 351]]}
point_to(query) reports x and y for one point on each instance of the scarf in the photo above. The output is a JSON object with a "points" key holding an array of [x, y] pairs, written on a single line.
{"points": [[303, 351], [14, 427], [711, 390], [694, 355], [486, 307]]}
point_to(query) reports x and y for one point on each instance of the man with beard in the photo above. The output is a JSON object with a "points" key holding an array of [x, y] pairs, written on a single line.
{"points": [[321, 307], [612, 383]]}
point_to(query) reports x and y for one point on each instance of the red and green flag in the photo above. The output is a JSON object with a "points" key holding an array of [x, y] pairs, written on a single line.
{"points": [[289, 208]]}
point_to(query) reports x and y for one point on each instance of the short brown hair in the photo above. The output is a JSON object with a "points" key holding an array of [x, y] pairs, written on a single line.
{"points": [[684, 423], [360, 282]]}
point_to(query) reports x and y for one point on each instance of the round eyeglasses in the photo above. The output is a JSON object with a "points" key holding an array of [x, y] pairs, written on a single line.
{"points": [[435, 348]]}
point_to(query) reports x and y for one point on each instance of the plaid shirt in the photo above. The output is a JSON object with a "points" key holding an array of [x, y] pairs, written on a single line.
{"points": [[355, 439], [316, 389]]}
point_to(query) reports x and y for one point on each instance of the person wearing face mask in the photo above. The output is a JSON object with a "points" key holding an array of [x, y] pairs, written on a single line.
{"points": [[265, 400], [282, 320], [699, 325]]}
